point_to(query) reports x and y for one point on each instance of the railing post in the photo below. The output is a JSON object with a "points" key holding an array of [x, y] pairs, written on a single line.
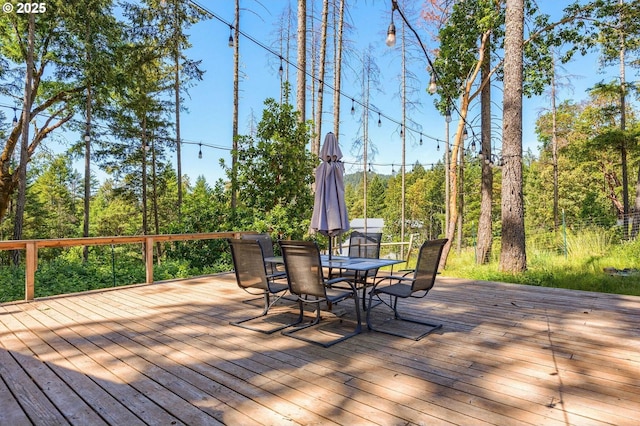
{"points": [[148, 251], [31, 264]]}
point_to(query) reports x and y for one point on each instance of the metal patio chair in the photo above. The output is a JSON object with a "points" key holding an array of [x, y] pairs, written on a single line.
{"points": [[366, 245], [306, 281], [267, 250], [416, 284], [252, 276]]}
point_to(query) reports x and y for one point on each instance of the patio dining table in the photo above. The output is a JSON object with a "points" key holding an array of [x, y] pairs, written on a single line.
{"points": [[361, 265]]}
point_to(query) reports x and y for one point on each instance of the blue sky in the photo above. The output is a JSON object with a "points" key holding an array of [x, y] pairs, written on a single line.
{"points": [[208, 119], [210, 104]]}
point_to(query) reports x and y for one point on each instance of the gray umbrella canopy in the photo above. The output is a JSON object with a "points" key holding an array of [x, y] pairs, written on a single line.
{"points": [[329, 208]]}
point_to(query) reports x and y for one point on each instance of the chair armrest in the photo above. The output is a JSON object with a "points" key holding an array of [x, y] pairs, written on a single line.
{"points": [[332, 281], [277, 275], [391, 278], [406, 271]]}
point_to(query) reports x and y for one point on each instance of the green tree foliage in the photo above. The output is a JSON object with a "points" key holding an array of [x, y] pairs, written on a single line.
{"points": [[60, 73], [275, 173], [114, 211], [376, 197], [56, 193]]}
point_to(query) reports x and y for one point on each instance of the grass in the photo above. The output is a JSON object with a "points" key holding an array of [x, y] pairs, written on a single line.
{"points": [[582, 268]]}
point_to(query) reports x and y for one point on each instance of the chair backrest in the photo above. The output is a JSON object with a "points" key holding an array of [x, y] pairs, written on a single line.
{"points": [[365, 244], [427, 266], [248, 263], [267, 248], [265, 242], [304, 268]]}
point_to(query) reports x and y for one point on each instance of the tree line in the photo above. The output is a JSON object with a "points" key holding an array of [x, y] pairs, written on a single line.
{"points": [[122, 69]]}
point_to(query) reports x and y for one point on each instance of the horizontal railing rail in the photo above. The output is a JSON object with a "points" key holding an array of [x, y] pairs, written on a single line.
{"points": [[31, 248]]}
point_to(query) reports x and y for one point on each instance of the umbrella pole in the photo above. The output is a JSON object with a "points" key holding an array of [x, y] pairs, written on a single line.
{"points": [[330, 238]]}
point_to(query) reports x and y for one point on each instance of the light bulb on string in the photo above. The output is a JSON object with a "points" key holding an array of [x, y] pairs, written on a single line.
{"points": [[15, 118], [401, 131], [379, 121], [447, 116], [200, 151], [393, 170], [433, 86], [230, 36], [353, 107], [438, 146], [391, 31], [280, 70], [421, 138], [473, 145], [465, 134]]}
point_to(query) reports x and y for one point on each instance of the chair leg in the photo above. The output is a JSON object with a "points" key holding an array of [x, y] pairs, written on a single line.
{"points": [[267, 305], [396, 315], [316, 321]]}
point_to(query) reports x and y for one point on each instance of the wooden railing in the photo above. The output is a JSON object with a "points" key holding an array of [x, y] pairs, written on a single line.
{"points": [[31, 248]]}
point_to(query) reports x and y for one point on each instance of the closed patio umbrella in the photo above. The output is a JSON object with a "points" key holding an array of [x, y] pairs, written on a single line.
{"points": [[329, 208]]}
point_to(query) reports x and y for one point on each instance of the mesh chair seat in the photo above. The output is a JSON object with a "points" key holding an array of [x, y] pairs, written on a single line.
{"points": [[417, 285], [251, 276], [307, 282]]}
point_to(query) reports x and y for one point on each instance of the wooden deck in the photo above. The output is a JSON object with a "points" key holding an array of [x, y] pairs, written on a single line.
{"points": [[164, 354]]}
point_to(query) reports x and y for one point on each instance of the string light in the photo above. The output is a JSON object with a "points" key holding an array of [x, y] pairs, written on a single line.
{"points": [[280, 70], [379, 121], [15, 118], [200, 151], [230, 36], [433, 86], [447, 116], [401, 132], [391, 31], [420, 138]]}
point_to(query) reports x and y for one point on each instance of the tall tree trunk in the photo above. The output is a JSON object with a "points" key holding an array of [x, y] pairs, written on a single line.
{"points": [[513, 256], [302, 59], [24, 143], [145, 225], [236, 96], [154, 198], [87, 175], [460, 193], [365, 135], [403, 135], [554, 146], [338, 71], [178, 140], [447, 175], [485, 229], [458, 144], [453, 183], [315, 149], [87, 157], [623, 120]]}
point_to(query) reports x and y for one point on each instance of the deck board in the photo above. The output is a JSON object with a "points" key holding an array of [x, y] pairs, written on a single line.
{"points": [[166, 354]]}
